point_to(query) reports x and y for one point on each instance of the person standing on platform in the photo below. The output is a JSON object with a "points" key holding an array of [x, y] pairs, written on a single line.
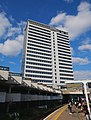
{"points": [[87, 115], [70, 107]]}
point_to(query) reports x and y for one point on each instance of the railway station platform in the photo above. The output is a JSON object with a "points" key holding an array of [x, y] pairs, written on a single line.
{"points": [[63, 114]]}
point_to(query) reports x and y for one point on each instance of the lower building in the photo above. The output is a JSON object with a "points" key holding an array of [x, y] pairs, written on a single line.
{"points": [[20, 98], [14, 89]]}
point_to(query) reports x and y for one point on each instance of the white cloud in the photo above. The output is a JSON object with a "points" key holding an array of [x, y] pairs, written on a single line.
{"points": [[20, 61], [86, 41], [13, 63], [74, 24], [12, 47], [22, 24], [82, 75], [1, 60], [58, 19], [84, 7], [85, 47], [72, 51], [16, 30], [4, 23], [13, 31], [69, 1], [12, 35], [80, 61]]}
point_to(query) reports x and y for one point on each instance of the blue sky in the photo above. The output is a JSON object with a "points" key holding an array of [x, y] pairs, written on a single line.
{"points": [[73, 16]]}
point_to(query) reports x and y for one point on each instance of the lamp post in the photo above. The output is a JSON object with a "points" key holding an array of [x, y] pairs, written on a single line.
{"points": [[86, 95]]}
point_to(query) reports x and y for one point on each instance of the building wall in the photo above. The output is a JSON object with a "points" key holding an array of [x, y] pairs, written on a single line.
{"points": [[38, 62], [47, 55]]}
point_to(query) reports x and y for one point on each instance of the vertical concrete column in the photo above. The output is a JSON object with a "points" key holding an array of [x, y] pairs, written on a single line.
{"points": [[10, 88]]}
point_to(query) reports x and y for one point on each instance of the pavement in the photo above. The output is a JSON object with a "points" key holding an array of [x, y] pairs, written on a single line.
{"points": [[63, 114]]}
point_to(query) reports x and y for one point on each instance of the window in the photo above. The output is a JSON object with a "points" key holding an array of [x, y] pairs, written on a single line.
{"points": [[62, 82], [55, 81]]}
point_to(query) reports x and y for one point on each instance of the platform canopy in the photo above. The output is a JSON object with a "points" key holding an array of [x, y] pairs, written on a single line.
{"points": [[78, 81]]}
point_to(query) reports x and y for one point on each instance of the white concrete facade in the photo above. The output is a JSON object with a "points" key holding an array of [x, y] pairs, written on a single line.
{"points": [[46, 54]]}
